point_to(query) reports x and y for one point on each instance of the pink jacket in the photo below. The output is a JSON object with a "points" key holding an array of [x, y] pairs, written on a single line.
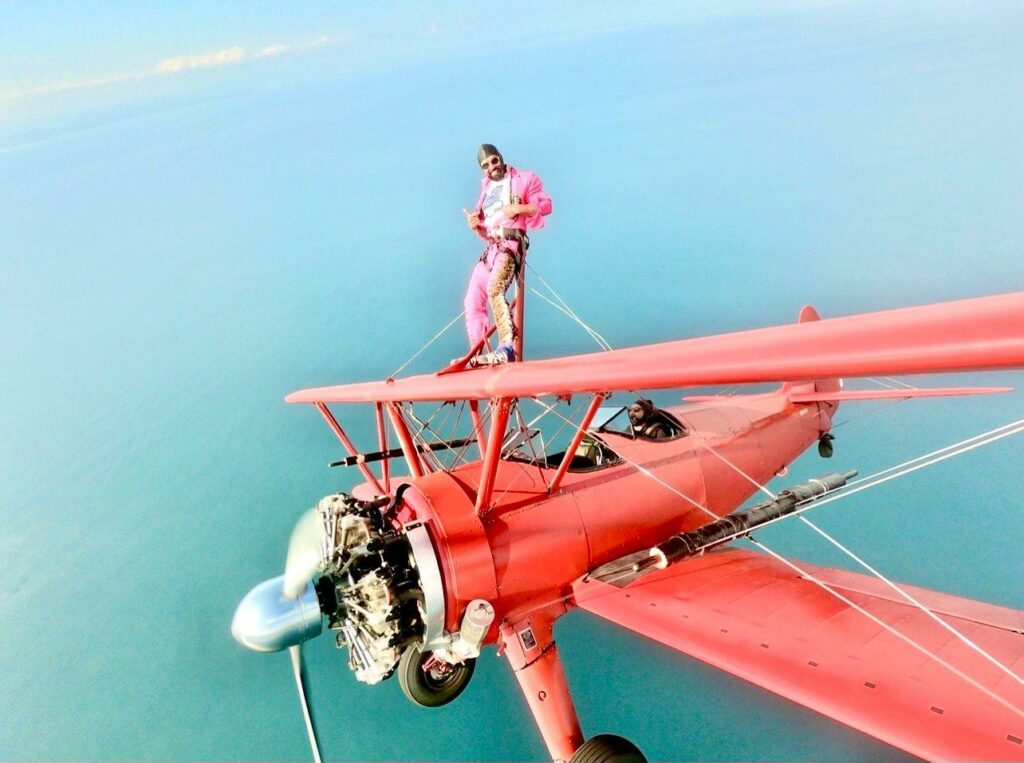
{"points": [[527, 186]]}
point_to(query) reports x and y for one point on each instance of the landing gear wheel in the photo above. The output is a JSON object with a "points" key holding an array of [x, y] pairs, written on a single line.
{"points": [[825, 446], [430, 682], [607, 748]]}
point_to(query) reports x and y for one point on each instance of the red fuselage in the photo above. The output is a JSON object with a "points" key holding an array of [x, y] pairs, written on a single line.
{"points": [[528, 547]]}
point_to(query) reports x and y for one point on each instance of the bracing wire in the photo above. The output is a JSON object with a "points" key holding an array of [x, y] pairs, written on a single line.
{"points": [[567, 310], [844, 599], [928, 459], [638, 467], [876, 479], [433, 339], [536, 461], [907, 467], [949, 451], [889, 382], [593, 334], [424, 426], [455, 431], [888, 628], [561, 306]]}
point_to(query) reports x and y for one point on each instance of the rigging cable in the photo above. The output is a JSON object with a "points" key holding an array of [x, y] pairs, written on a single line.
{"points": [[566, 309], [1013, 428], [825, 587], [872, 481], [861, 485], [934, 457], [418, 352], [563, 308], [982, 439], [924, 650], [540, 471]]}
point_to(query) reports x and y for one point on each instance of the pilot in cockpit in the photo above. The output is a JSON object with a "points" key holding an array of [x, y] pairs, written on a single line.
{"points": [[645, 421]]}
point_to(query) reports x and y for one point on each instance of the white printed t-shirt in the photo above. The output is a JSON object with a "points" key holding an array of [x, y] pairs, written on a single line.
{"points": [[495, 200]]}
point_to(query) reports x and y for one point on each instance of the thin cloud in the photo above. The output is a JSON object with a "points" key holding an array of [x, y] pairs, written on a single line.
{"points": [[233, 55], [236, 54]]}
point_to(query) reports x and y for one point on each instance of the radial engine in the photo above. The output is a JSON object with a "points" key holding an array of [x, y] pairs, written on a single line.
{"points": [[379, 585]]}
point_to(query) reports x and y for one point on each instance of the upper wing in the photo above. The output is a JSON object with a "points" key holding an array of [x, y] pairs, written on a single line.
{"points": [[975, 334], [899, 393], [754, 617]]}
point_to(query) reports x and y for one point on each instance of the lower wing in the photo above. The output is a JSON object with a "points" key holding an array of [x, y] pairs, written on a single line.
{"points": [[753, 616]]}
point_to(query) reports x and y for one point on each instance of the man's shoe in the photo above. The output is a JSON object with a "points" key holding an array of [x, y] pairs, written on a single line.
{"points": [[499, 357]]}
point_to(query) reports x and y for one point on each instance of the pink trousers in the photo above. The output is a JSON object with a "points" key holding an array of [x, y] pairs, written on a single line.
{"points": [[487, 285]]}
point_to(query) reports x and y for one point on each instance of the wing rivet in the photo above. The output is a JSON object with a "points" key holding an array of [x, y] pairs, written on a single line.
{"points": [[1015, 740], [869, 684], [937, 710]]}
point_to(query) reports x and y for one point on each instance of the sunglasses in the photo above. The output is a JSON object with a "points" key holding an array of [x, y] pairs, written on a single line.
{"points": [[494, 161]]}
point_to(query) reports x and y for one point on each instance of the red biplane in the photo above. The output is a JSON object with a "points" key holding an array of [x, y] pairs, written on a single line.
{"points": [[421, 571]]}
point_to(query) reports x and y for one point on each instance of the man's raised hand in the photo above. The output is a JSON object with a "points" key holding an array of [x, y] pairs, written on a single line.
{"points": [[472, 219]]}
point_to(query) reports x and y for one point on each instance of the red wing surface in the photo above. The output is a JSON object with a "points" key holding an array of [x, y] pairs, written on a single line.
{"points": [[867, 394], [974, 334], [754, 617]]}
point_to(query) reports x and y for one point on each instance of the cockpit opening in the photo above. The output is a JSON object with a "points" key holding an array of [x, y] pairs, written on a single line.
{"points": [[640, 420]]}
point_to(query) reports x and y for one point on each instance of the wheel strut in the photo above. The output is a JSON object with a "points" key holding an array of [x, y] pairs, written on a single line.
{"points": [[529, 645]]}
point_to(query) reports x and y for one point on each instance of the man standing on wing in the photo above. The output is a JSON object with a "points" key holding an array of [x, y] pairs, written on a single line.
{"points": [[511, 202]]}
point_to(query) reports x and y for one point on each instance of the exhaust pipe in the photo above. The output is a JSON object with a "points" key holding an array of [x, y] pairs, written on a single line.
{"points": [[693, 543]]}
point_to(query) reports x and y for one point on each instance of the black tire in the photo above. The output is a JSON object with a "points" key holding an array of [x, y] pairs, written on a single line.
{"points": [[607, 748], [431, 688]]}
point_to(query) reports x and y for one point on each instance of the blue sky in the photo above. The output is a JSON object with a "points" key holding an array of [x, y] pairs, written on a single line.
{"points": [[59, 57]]}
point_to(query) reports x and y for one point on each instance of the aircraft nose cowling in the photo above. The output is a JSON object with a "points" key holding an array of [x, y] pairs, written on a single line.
{"points": [[268, 621]]}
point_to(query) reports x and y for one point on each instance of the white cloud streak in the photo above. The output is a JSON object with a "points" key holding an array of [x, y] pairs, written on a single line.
{"points": [[171, 66], [203, 60]]}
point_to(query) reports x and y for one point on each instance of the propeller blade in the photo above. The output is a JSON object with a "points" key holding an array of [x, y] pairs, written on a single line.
{"points": [[299, 669], [305, 553]]}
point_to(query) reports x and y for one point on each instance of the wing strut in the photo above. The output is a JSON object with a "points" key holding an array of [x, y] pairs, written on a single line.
{"points": [[412, 457], [382, 441], [581, 430], [345, 441], [501, 408]]}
